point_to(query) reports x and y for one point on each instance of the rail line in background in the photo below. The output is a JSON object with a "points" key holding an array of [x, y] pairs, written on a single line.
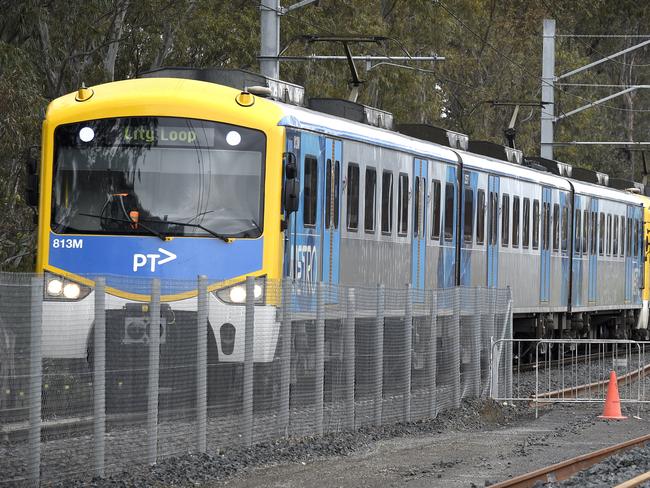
{"points": [[566, 469]]}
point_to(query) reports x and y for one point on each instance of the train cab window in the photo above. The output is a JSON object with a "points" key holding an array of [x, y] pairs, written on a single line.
{"points": [[310, 191], [609, 234], [468, 223], [601, 234], [387, 202], [435, 218], [564, 237], [332, 200], [370, 206], [515, 221], [403, 205], [353, 196], [418, 206], [449, 211], [525, 238], [505, 220], [556, 227], [480, 217], [615, 235], [535, 224], [578, 233], [585, 232]]}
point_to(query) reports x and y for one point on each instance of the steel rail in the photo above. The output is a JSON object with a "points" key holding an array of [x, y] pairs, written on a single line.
{"points": [[566, 469], [636, 481], [572, 392]]}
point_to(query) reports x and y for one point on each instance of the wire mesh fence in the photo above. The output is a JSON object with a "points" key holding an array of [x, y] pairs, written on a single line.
{"points": [[102, 383]]}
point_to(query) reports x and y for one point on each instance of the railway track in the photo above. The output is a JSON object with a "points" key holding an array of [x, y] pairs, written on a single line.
{"points": [[566, 469]]}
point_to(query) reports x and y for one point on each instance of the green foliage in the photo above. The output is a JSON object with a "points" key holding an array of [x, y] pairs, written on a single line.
{"points": [[492, 52]]}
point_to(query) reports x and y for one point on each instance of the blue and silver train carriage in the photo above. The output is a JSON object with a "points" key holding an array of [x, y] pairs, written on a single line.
{"points": [[175, 175]]}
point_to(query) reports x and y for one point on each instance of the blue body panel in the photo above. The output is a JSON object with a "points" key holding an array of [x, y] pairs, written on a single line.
{"points": [[182, 258]]}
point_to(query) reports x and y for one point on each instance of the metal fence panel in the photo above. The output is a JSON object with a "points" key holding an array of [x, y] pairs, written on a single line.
{"points": [[127, 379]]}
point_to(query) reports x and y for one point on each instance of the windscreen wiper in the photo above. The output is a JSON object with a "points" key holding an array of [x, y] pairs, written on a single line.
{"points": [[159, 235], [197, 226]]}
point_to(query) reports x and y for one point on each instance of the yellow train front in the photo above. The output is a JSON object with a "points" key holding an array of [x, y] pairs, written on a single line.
{"points": [[159, 178]]}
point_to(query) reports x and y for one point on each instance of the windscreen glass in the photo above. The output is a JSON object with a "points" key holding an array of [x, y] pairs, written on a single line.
{"points": [[145, 175]]}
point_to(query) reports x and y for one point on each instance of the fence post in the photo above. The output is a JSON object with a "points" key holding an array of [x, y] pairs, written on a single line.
{"points": [[432, 351], [247, 407], [455, 334], [408, 339], [35, 380], [348, 359], [99, 380], [320, 354], [378, 355], [508, 335], [201, 362], [475, 350], [154, 372], [285, 358]]}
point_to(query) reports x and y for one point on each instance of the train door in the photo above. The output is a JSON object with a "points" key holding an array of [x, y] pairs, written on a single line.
{"points": [[418, 245], [545, 259], [449, 234], [468, 209], [493, 232], [331, 192], [305, 239], [593, 250]]}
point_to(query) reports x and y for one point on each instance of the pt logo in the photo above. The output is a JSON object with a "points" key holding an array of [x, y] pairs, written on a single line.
{"points": [[141, 260]]}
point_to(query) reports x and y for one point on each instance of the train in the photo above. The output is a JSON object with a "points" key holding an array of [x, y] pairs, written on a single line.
{"points": [[225, 173]]}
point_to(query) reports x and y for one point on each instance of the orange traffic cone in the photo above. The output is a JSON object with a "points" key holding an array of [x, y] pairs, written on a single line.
{"points": [[612, 408]]}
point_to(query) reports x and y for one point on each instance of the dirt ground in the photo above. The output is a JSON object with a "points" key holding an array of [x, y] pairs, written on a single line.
{"points": [[453, 458]]}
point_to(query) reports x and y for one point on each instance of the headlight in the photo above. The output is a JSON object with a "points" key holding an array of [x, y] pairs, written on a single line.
{"points": [[236, 294], [59, 288]]}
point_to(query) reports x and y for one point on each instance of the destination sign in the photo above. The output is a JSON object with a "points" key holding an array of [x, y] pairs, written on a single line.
{"points": [[168, 136]]}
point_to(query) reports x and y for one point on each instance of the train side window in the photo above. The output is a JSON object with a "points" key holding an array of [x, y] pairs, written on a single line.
{"points": [[578, 233], [515, 221], [609, 234], [387, 202], [353, 196], [594, 232], [556, 227], [636, 237], [525, 238], [629, 236], [535, 224], [564, 238], [505, 220], [418, 206], [403, 205], [622, 238], [615, 235], [585, 232], [480, 217], [310, 191], [468, 224], [370, 200], [435, 227], [449, 211], [601, 234], [328, 193], [546, 215]]}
